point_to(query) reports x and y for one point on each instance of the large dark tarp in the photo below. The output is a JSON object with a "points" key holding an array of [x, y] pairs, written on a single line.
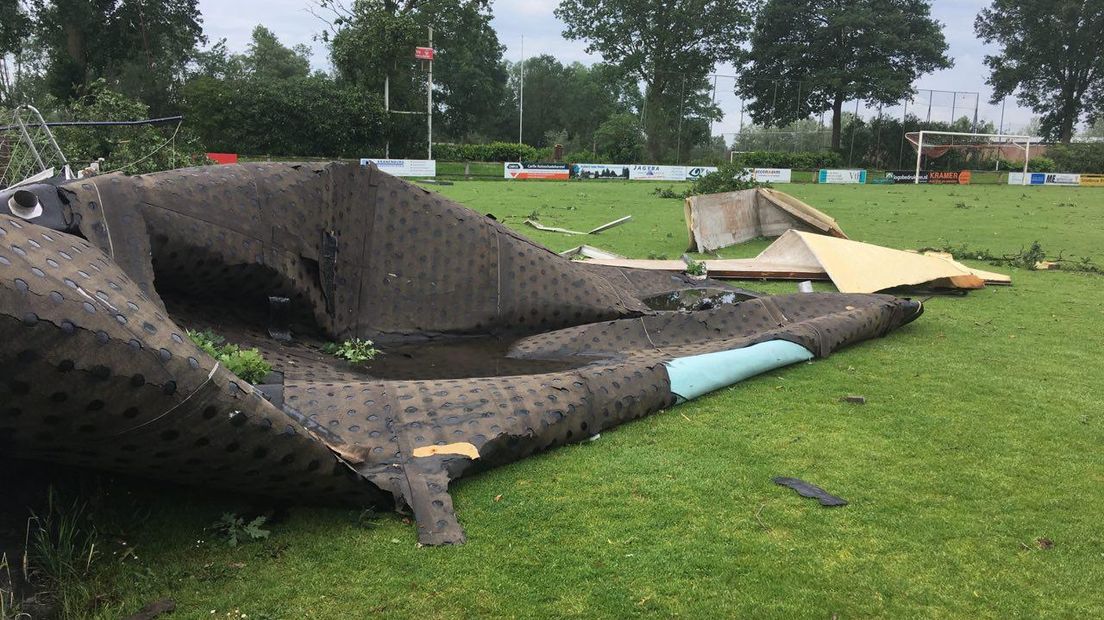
{"points": [[100, 373]]}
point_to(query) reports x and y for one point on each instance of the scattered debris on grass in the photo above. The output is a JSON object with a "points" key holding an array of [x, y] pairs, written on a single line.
{"points": [[1030, 258], [717, 221], [535, 224], [854, 267], [582, 252], [804, 489]]}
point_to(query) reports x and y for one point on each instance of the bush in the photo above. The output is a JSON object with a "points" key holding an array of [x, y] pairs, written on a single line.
{"points": [[134, 150], [1042, 164], [312, 116], [802, 160], [1076, 158], [727, 178], [492, 152], [620, 139]]}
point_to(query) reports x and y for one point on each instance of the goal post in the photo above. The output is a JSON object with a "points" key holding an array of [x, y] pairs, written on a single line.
{"points": [[984, 140]]}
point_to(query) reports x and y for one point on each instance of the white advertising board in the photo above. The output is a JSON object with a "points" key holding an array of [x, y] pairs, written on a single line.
{"points": [[648, 172], [1043, 178], [600, 171], [841, 176], [769, 175], [404, 167]]}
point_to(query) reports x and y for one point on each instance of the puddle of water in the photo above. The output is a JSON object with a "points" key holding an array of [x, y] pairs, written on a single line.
{"points": [[458, 359], [696, 299]]}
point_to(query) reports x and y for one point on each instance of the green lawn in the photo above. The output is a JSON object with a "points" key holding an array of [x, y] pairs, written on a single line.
{"points": [[983, 433]]}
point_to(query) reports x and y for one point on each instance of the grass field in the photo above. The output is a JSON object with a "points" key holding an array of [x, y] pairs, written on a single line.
{"points": [[975, 471]]}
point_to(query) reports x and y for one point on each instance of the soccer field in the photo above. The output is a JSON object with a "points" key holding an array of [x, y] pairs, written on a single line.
{"points": [[974, 472]]}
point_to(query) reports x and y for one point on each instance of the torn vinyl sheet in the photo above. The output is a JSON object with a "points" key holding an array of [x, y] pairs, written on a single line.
{"points": [[494, 347]]}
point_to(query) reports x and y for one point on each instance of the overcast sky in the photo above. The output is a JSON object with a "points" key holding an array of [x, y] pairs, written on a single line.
{"points": [[533, 20]]}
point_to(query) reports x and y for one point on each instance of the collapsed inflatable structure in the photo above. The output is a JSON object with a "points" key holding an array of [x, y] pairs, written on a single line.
{"points": [[495, 347]]}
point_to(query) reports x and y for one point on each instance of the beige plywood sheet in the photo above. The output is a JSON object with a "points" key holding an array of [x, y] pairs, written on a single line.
{"points": [[715, 221]]}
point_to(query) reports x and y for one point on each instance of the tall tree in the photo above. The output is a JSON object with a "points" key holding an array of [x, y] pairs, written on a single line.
{"points": [[810, 56], [375, 39], [268, 59], [15, 30], [140, 47], [669, 46], [1050, 56]]}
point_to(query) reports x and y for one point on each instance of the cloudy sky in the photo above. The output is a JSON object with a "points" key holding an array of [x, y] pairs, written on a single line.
{"points": [[533, 20]]}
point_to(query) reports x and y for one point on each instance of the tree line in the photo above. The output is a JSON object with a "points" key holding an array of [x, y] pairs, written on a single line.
{"points": [[649, 99]]}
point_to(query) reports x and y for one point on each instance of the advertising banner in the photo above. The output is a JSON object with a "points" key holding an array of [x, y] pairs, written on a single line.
{"points": [[1063, 179], [905, 176], [934, 177], [647, 172], [404, 167], [841, 176], [642, 172], [536, 170], [693, 173], [223, 158], [1049, 178], [1033, 178], [769, 175], [600, 171], [1092, 180]]}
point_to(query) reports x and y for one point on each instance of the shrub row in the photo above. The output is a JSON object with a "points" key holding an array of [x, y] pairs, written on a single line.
{"points": [[802, 160], [494, 151]]}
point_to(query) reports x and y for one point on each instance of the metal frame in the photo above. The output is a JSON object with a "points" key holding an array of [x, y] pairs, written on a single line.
{"points": [[1026, 140]]}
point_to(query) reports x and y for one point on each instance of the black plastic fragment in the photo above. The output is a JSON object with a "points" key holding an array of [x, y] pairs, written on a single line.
{"points": [[804, 489], [279, 318]]}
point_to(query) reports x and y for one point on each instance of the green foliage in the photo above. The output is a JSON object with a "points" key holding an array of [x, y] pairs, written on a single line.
{"points": [[1080, 157], [234, 529], [355, 351], [1049, 56], [312, 116], [61, 550], [728, 178], [620, 139], [139, 47], [245, 363], [670, 47], [1043, 164], [494, 151], [809, 56], [810, 160], [566, 103], [133, 150], [695, 267], [268, 59], [373, 40]]}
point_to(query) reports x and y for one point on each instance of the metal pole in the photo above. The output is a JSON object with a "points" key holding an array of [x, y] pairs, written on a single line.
{"points": [[904, 131], [1000, 130], [387, 108], [919, 151], [521, 91], [682, 104], [954, 106], [851, 153], [429, 102], [1027, 158], [714, 102]]}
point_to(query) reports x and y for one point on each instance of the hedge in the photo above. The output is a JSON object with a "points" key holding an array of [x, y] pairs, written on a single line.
{"points": [[806, 160], [494, 151]]}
